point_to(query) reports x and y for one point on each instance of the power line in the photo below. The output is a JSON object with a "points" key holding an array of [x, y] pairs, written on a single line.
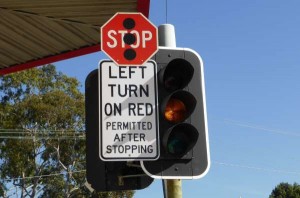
{"points": [[42, 138], [257, 168], [22, 134], [49, 175], [166, 1], [39, 137], [214, 162], [262, 128], [38, 131]]}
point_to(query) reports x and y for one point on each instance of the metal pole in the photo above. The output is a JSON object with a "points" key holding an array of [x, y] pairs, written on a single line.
{"points": [[166, 35], [174, 188], [166, 38]]}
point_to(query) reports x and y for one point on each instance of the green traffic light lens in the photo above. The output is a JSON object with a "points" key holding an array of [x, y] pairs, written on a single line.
{"points": [[180, 139], [177, 145]]}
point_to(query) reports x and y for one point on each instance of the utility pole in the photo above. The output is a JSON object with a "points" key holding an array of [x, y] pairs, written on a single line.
{"points": [[166, 38]]}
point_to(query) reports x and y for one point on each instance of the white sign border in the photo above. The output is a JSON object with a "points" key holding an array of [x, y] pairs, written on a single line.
{"points": [[156, 117]]}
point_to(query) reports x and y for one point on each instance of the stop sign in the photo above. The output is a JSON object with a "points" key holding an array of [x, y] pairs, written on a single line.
{"points": [[129, 39]]}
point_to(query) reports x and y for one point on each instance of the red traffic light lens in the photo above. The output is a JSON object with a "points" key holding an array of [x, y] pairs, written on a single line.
{"points": [[176, 75]]}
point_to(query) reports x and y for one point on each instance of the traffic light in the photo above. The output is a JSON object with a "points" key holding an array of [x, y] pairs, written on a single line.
{"points": [[184, 149], [106, 176]]}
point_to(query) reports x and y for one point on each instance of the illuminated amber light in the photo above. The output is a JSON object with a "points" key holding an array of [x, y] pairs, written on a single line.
{"points": [[175, 111]]}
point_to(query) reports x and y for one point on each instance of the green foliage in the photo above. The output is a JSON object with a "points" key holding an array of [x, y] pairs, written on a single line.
{"points": [[285, 190], [45, 157], [43, 96], [2, 190]]}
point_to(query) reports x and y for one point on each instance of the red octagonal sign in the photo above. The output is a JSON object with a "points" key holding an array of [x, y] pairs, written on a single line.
{"points": [[129, 39]]}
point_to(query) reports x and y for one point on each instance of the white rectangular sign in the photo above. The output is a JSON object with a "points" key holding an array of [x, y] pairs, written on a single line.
{"points": [[128, 114]]}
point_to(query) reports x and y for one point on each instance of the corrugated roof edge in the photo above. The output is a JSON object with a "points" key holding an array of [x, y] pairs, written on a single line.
{"points": [[51, 59], [143, 6]]}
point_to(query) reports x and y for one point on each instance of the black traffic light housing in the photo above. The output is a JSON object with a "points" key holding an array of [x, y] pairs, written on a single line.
{"points": [[184, 149], [106, 176]]}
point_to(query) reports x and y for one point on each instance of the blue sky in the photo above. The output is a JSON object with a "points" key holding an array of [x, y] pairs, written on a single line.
{"points": [[252, 66]]}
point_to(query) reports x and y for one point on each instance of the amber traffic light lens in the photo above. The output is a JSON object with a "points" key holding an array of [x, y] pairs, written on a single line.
{"points": [[175, 110]]}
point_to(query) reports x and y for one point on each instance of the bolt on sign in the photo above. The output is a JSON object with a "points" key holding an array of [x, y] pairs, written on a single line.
{"points": [[128, 114], [129, 39]]}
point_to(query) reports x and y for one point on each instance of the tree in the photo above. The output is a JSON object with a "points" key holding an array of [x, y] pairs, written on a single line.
{"points": [[285, 190], [42, 146]]}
